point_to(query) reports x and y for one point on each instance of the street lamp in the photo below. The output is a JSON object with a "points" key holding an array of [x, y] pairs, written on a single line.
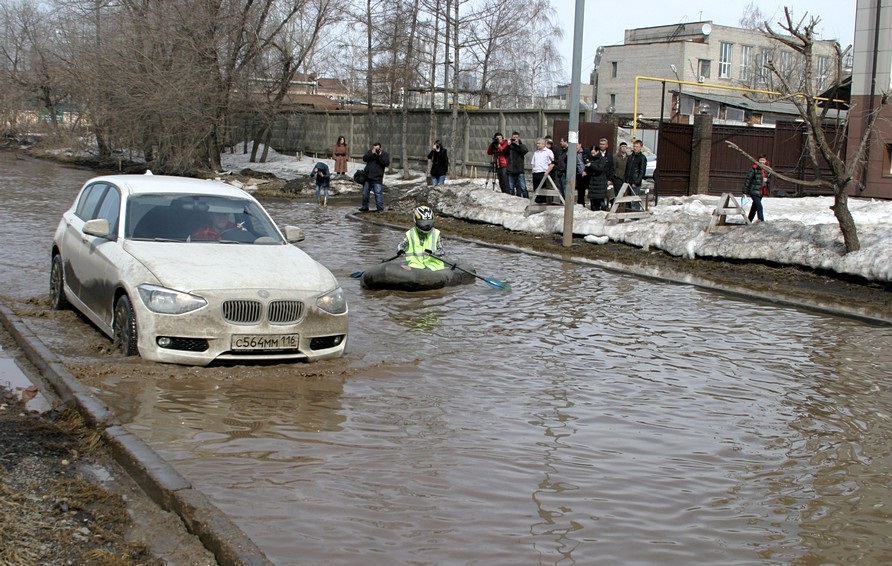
{"points": [[678, 96]]}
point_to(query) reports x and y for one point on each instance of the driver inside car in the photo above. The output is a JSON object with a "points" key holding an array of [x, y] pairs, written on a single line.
{"points": [[218, 223]]}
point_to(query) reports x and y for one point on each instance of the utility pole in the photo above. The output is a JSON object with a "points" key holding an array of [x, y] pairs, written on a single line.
{"points": [[573, 129]]}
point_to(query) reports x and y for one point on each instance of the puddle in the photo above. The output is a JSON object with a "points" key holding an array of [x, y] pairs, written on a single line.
{"points": [[11, 376]]}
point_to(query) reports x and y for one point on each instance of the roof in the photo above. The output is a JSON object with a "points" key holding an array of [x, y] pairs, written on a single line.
{"points": [[762, 107], [148, 183]]}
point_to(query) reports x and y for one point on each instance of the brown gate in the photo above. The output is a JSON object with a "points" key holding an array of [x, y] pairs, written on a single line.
{"points": [[785, 146]]}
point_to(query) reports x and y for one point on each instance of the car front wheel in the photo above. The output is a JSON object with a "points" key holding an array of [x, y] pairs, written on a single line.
{"points": [[125, 327], [57, 285]]}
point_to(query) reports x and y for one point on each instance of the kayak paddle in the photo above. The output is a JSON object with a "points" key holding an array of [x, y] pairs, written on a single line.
{"points": [[494, 283]]}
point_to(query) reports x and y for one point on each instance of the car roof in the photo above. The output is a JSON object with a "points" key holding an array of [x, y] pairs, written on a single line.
{"points": [[139, 184]]}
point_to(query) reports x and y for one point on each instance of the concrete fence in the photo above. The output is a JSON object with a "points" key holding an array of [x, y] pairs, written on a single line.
{"points": [[465, 135]]}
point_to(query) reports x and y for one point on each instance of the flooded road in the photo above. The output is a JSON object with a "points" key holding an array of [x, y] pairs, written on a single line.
{"points": [[583, 418]]}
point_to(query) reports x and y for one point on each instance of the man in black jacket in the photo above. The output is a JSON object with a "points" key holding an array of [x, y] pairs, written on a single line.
{"points": [[560, 166], [516, 151], [376, 162], [636, 167]]}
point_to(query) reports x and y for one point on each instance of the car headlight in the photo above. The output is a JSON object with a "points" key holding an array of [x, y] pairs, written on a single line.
{"points": [[168, 301], [333, 302]]}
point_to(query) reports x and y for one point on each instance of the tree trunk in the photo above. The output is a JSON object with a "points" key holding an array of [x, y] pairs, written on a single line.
{"points": [[843, 215]]}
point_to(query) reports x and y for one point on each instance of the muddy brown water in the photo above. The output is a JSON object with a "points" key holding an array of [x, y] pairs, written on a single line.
{"points": [[583, 418]]}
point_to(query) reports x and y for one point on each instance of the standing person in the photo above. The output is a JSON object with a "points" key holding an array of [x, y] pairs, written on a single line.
{"points": [[599, 172], [756, 186], [499, 159], [560, 165], [517, 184], [581, 178], [619, 166], [322, 176], [543, 163], [439, 159], [636, 167], [376, 162], [422, 244], [340, 153]]}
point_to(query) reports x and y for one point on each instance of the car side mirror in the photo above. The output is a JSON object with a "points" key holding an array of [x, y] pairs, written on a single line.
{"points": [[97, 227], [293, 234]]}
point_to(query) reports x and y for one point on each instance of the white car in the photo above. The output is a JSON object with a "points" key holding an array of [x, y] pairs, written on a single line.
{"points": [[651, 166], [142, 258]]}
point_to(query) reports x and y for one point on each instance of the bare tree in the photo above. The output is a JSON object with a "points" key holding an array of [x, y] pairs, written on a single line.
{"points": [[30, 64], [800, 37], [752, 17], [287, 52]]}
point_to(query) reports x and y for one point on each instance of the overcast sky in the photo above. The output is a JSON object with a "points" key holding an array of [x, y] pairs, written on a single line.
{"points": [[605, 22]]}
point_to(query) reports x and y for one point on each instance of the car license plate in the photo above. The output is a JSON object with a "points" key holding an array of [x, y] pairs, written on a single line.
{"points": [[265, 342]]}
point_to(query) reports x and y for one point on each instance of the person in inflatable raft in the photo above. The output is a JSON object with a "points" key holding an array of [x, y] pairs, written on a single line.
{"points": [[422, 244]]}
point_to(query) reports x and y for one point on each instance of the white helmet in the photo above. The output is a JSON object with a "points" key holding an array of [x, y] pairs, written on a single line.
{"points": [[424, 218]]}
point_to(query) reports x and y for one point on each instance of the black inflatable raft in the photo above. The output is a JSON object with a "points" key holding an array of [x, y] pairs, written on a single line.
{"points": [[397, 275]]}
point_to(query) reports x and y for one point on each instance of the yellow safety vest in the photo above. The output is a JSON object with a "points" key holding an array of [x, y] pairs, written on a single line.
{"points": [[415, 256]]}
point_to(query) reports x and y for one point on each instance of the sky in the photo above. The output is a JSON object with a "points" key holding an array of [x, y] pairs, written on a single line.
{"points": [[606, 22], [796, 231]]}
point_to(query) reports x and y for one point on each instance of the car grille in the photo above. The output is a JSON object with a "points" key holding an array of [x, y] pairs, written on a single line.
{"points": [[251, 312], [284, 312]]}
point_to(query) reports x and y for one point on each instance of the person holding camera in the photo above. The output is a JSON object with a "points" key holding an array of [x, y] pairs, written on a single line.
{"points": [[516, 151], [376, 162], [439, 163], [496, 151]]}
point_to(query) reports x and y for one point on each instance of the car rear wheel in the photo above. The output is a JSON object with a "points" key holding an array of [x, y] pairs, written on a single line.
{"points": [[57, 285], [125, 327]]}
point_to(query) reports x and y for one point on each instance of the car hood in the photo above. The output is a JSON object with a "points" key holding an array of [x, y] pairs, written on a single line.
{"points": [[194, 266]]}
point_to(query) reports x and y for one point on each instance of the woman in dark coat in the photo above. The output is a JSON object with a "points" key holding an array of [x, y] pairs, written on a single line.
{"points": [[597, 173]]}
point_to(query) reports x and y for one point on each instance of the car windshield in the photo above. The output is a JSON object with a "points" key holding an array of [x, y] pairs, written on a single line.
{"points": [[198, 218]]}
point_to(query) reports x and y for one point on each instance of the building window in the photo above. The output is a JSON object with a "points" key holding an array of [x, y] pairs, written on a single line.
{"points": [[746, 62], [725, 60], [786, 63], [762, 65], [613, 100], [887, 161], [613, 69], [703, 67], [735, 114]]}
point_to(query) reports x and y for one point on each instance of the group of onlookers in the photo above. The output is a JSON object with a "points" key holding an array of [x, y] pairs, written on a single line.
{"points": [[599, 173]]}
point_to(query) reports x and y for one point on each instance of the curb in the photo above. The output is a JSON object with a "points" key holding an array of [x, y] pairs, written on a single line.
{"points": [[158, 479]]}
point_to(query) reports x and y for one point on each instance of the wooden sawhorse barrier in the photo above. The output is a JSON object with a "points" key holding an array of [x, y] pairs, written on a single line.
{"points": [[622, 198], [543, 191], [727, 205]]}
